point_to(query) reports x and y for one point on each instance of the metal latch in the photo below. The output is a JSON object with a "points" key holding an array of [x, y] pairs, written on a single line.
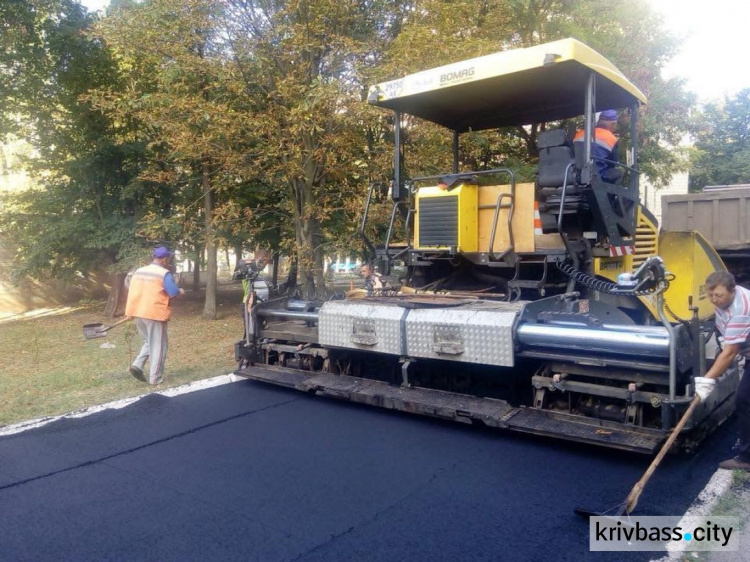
{"points": [[363, 332], [447, 340]]}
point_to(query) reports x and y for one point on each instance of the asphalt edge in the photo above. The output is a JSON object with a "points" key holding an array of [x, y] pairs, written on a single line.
{"points": [[117, 404], [717, 488]]}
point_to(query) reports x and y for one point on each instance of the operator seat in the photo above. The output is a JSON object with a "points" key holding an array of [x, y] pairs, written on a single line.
{"points": [[555, 157]]}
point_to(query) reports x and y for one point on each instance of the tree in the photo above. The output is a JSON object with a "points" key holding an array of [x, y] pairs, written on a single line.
{"points": [[186, 98], [80, 217], [302, 62], [723, 143], [229, 119]]}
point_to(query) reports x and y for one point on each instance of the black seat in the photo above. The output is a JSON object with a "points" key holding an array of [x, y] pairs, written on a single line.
{"points": [[555, 157]]}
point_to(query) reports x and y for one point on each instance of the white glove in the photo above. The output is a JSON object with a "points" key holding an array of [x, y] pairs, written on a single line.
{"points": [[704, 387]]}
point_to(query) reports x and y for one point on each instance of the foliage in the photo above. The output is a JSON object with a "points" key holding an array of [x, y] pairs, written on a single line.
{"points": [[723, 143], [302, 63], [82, 214], [187, 103], [238, 123]]}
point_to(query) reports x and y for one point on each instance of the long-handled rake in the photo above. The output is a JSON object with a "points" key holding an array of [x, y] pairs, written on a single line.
{"points": [[627, 507]]}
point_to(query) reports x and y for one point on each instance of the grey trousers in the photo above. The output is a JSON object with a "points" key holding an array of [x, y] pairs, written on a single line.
{"points": [[155, 343]]}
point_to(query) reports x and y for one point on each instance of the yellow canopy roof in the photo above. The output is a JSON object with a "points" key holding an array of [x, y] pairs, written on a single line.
{"points": [[517, 87]]}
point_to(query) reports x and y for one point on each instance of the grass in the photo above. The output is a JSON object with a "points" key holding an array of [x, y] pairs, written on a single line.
{"points": [[732, 504], [47, 368]]}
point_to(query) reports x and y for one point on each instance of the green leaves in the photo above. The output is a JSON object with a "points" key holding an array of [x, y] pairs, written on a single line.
{"points": [[84, 204], [723, 143], [257, 107]]}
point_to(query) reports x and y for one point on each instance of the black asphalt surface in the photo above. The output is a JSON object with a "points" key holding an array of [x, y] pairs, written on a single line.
{"points": [[249, 472]]}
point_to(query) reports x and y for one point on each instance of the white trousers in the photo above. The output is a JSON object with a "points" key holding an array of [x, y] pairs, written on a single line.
{"points": [[154, 350]]}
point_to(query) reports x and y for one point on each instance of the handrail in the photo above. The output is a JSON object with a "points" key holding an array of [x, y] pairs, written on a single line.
{"points": [[562, 198], [469, 173], [368, 243], [510, 226], [388, 236], [407, 232], [563, 235], [632, 170], [616, 163], [389, 259]]}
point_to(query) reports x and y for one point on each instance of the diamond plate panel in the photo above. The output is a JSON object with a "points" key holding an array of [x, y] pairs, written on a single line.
{"points": [[468, 335], [360, 325]]}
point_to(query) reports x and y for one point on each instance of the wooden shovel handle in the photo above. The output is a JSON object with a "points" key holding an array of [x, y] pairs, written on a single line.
{"points": [[105, 328], [635, 493]]}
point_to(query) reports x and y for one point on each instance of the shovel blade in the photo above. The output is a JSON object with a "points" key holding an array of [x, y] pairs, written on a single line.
{"points": [[619, 511], [93, 331], [586, 513]]}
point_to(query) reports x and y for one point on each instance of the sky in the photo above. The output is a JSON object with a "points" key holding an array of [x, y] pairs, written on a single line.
{"points": [[714, 47], [715, 40]]}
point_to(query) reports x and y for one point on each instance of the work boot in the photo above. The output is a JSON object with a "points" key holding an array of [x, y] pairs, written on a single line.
{"points": [[735, 464], [137, 373]]}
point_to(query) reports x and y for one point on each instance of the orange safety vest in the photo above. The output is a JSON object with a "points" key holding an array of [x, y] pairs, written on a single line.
{"points": [[602, 137], [146, 296]]}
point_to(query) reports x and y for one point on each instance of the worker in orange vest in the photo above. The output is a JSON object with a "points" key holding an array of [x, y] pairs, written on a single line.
{"points": [[604, 146], [149, 296]]}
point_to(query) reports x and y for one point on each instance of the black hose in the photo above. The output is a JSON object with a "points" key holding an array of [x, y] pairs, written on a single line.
{"points": [[607, 286]]}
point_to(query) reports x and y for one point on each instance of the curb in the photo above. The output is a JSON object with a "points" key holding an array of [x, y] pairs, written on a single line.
{"points": [[716, 488]]}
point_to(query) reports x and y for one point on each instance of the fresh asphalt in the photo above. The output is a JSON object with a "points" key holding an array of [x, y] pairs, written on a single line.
{"points": [[246, 472]]}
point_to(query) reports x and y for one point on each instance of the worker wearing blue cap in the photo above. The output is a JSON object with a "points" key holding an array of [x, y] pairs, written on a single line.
{"points": [[604, 146], [149, 296]]}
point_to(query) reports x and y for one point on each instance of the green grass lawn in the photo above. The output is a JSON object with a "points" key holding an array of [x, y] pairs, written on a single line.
{"points": [[47, 368]]}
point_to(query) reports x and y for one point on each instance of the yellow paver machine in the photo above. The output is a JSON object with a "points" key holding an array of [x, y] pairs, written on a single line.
{"points": [[553, 307]]}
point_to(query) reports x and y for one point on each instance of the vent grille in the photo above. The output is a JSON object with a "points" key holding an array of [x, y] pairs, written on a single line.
{"points": [[645, 242], [438, 221]]}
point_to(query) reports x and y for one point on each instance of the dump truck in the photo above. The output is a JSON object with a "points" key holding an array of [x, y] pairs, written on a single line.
{"points": [[552, 307], [720, 214]]}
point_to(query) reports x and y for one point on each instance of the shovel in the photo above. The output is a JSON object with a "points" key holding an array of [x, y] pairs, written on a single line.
{"points": [[92, 331], [632, 500]]}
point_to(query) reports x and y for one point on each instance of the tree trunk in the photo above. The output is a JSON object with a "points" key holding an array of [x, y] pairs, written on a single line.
{"points": [[209, 307], [197, 268], [307, 259], [309, 247], [237, 256], [117, 295], [275, 272]]}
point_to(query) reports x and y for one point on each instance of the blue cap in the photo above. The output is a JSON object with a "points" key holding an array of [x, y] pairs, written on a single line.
{"points": [[161, 252], [608, 115]]}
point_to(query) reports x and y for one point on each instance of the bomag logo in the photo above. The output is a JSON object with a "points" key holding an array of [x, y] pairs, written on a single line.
{"points": [[464, 74], [610, 265]]}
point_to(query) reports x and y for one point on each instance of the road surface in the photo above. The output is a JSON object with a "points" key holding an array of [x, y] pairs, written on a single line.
{"points": [[247, 472]]}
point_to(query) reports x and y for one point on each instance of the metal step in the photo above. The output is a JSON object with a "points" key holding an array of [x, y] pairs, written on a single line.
{"points": [[280, 377], [586, 430], [463, 408]]}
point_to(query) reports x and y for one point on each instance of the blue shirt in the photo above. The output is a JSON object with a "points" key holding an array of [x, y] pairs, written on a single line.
{"points": [[170, 286]]}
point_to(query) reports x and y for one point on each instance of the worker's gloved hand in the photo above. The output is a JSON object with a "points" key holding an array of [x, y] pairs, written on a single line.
{"points": [[704, 387]]}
